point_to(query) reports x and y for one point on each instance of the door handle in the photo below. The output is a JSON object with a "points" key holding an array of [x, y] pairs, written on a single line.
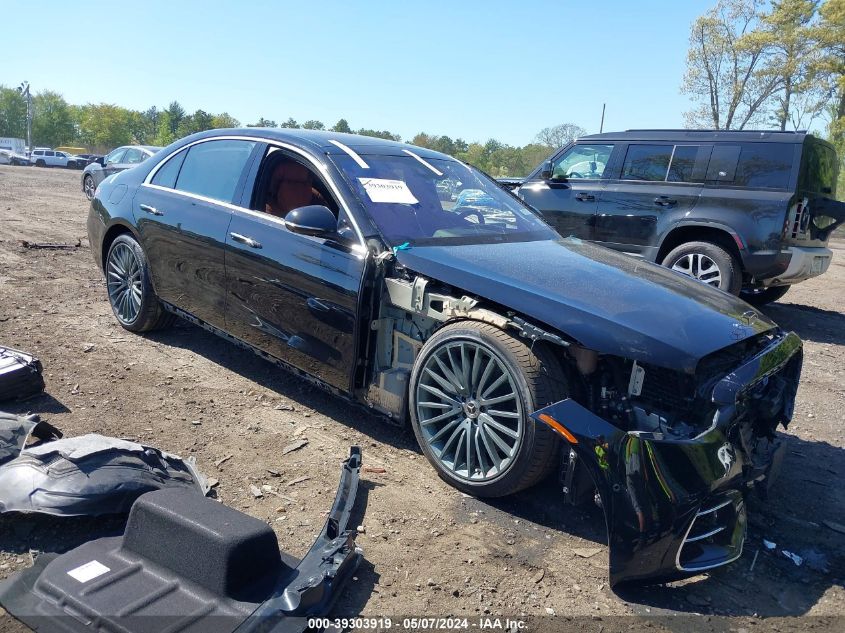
{"points": [[151, 210], [665, 201], [243, 239], [584, 197]]}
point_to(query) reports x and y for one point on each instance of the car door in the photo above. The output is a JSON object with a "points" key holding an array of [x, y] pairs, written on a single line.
{"points": [[569, 197], [50, 158], [657, 184], [183, 211], [294, 296]]}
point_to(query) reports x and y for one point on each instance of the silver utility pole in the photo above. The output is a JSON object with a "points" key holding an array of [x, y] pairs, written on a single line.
{"points": [[25, 92]]}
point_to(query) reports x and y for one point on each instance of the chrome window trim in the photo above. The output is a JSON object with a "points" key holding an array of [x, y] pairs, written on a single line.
{"points": [[320, 167]]}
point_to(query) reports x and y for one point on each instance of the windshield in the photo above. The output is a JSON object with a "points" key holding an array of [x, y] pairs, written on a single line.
{"points": [[437, 201]]}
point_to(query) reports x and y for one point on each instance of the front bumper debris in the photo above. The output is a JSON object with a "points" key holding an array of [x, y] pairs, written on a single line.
{"points": [[676, 507], [188, 563]]}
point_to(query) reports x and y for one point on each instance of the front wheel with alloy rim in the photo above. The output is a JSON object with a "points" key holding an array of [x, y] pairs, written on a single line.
{"points": [[472, 390], [130, 290], [709, 263], [89, 187]]}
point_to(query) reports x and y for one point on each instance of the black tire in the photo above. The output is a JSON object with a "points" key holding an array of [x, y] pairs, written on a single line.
{"points": [[729, 266], [40, 163], [539, 380], [88, 186], [763, 296], [149, 314]]}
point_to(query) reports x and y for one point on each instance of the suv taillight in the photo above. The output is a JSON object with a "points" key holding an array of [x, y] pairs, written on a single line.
{"points": [[797, 225]]}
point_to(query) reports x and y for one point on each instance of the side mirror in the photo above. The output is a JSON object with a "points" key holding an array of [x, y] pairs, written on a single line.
{"points": [[101, 160], [314, 219], [546, 171]]}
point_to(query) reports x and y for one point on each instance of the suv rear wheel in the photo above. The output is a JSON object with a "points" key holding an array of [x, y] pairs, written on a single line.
{"points": [[763, 296], [707, 262], [471, 392]]}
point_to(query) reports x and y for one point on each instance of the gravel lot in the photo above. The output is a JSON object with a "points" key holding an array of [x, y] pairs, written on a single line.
{"points": [[429, 549]]}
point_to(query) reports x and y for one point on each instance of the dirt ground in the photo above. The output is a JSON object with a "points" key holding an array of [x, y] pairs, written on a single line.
{"points": [[429, 549]]}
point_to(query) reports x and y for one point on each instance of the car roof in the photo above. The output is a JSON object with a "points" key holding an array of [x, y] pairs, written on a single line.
{"points": [[676, 136], [320, 141]]}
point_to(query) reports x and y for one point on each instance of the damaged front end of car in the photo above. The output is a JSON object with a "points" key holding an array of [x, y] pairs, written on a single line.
{"points": [[671, 456]]}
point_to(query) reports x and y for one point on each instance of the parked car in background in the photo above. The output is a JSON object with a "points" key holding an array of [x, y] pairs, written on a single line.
{"points": [[500, 342], [749, 212], [115, 161], [19, 159], [5, 157], [46, 157], [89, 158]]}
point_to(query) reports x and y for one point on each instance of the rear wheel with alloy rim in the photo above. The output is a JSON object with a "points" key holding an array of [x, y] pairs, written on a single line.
{"points": [[130, 290], [709, 263], [472, 389]]}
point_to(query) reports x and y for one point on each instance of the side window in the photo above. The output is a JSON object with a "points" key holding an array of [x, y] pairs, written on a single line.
{"points": [[688, 164], [134, 156], [763, 165], [766, 165], [50, 154], [167, 174], [115, 156], [285, 183], [582, 161], [212, 169], [647, 162]]}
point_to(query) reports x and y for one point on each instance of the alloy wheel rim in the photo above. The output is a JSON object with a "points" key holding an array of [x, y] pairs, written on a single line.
{"points": [[124, 283], [89, 187], [469, 411], [699, 266]]}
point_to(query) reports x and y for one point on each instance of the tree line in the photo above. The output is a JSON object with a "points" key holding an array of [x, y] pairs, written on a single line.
{"points": [[101, 127], [778, 64]]}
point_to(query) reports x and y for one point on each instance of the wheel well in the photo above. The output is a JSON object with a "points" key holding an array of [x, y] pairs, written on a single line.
{"points": [[698, 234], [109, 237]]}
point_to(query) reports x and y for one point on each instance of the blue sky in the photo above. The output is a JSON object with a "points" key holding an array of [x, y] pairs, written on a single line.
{"points": [[469, 69]]}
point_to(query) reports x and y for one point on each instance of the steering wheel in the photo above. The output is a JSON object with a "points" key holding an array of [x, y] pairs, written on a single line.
{"points": [[575, 174], [464, 212]]}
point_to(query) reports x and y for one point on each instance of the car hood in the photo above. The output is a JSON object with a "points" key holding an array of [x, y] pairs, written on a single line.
{"points": [[606, 300]]}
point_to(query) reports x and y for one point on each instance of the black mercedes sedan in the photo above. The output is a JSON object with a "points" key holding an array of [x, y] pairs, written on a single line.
{"points": [[511, 351]]}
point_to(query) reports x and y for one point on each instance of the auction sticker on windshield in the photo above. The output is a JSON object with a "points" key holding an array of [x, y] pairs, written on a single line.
{"points": [[384, 190]]}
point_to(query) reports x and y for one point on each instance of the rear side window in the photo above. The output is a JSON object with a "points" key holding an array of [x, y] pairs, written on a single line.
{"points": [[819, 169], [757, 165], [212, 169], [166, 176], [646, 162], [689, 163]]}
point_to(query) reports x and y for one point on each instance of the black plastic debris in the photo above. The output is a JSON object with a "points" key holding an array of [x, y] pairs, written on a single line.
{"points": [[17, 431], [20, 375], [188, 564], [91, 475]]}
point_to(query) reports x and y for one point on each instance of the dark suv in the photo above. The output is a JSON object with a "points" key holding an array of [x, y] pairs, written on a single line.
{"points": [[747, 212]]}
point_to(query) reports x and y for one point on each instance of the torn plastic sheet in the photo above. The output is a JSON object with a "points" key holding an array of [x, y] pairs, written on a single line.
{"points": [[16, 432], [90, 475], [186, 564]]}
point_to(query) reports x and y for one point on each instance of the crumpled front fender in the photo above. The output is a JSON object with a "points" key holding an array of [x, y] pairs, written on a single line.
{"points": [[654, 490]]}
